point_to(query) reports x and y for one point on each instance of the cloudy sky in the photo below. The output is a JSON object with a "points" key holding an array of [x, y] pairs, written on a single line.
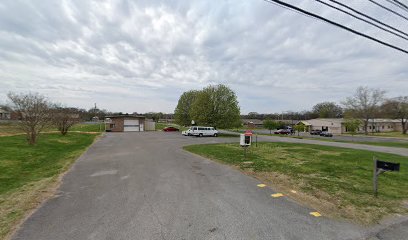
{"points": [[128, 55]]}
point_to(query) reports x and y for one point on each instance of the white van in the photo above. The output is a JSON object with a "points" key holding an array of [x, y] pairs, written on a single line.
{"points": [[199, 131]]}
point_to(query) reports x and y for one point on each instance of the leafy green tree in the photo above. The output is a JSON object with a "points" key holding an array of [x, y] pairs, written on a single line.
{"points": [[270, 125], [216, 106], [182, 113], [328, 110], [299, 128], [352, 125]]}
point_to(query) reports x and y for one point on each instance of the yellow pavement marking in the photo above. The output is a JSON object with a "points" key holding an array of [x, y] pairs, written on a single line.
{"points": [[276, 195], [316, 214], [261, 185], [293, 191]]}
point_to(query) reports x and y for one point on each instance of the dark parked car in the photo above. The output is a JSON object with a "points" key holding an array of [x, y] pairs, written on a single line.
{"points": [[315, 132], [170, 129], [326, 134], [283, 131]]}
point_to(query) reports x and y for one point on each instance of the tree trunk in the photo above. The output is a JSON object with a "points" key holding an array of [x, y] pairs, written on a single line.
{"points": [[404, 126], [366, 127], [32, 138]]}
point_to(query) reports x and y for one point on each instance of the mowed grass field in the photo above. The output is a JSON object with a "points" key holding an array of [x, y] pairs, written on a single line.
{"points": [[335, 181], [394, 134], [398, 144], [29, 174], [12, 128]]}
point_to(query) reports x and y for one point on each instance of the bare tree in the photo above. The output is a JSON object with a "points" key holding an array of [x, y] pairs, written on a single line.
{"points": [[364, 104], [397, 108], [64, 118], [34, 111]]}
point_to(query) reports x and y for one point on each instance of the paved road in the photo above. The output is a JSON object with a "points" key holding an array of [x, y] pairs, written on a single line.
{"points": [[393, 150], [358, 138], [144, 186]]}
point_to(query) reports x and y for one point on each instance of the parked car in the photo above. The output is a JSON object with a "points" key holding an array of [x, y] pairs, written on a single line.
{"points": [[199, 131], [326, 134], [283, 131], [315, 132], [170, 129], [187, 132]]}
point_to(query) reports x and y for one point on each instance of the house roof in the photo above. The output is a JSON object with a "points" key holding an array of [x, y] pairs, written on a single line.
{"points": [[127, 116], [3, 111], [341, 120], [304, 123], [254, 121]]}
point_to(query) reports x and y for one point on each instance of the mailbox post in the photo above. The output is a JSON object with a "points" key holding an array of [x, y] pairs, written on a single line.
{"points": [[245, 141], [381, 167]]}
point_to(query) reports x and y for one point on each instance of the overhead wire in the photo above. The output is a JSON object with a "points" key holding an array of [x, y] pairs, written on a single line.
{"points": [[369, 17], [297, 9], [362, 19], [398, 4], [389, 9]]}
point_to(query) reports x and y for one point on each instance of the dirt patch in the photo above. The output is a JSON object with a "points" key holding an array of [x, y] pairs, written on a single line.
{"points": [[327, 204], [16, 207]]}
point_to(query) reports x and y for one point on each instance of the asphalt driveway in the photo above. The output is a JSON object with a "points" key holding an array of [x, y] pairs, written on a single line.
{"points": [[144, 186]]}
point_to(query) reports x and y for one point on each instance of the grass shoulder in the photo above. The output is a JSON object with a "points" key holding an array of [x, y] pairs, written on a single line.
{"points": [[335, 181], [30, 174], [393, 134]]}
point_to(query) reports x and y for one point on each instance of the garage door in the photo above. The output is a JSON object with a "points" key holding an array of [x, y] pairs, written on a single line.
{"points": [[131, 126]]}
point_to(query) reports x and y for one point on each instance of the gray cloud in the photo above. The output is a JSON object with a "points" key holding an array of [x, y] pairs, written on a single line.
{"points": [[141, 55]]}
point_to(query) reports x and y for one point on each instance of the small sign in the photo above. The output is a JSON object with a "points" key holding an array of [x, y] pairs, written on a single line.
{"points": [[388, 166], [381, 167]]}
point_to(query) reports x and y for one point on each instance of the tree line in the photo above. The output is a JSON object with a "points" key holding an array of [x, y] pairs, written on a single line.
{"points": [[215, 106], [364, 104]]}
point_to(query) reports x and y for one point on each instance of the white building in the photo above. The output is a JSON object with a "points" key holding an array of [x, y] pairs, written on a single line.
{"points": [[4, 115], [336, 125]]}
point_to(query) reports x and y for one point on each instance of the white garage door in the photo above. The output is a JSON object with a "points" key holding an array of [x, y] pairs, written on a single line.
{"points": [[131, 126]]}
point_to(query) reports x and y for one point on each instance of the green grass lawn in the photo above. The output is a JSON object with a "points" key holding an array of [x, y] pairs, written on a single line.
{"points": [[81, 127], [26, 172], [228, 135], [9, 129], [384, 144], [383, 134], [336, 181]]}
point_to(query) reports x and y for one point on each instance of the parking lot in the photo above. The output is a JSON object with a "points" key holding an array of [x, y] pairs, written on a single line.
{"points": [[145, 186]]}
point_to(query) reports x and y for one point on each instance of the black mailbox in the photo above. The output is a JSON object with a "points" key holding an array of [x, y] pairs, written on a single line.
{"points": [[388, 166], [248, 140]]}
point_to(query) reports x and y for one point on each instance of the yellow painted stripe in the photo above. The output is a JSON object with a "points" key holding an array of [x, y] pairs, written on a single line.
{"points": [[276, 195], [261, 185], [316, 214]]}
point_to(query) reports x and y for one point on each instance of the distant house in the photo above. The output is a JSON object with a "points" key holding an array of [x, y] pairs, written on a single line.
{"points": [[4, 114], [336, 125], [128, 123], [252, 123]]}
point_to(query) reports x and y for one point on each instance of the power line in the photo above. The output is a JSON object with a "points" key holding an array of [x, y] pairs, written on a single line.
{"points": [[402, 4], [362, 19], [388, 9], [336, 24], [398, 4], [371, 18]]}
